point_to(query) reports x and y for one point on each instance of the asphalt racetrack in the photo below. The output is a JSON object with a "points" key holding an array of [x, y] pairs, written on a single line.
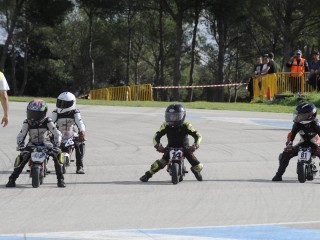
{"points": [[236, 200]]}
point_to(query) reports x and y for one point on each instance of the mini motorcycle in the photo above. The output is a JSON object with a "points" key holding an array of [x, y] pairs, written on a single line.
{"points": [[175, 166], [305, 165], [67, 148], [37, 163]]}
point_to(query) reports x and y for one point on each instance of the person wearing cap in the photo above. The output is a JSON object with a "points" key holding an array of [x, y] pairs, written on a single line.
{"points": [[313, 77], [298, 66], [271, 65]]}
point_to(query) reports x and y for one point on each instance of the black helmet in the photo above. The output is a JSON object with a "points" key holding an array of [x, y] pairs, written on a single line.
{"points": [[305, 113], [175, 115], [36, 111]]}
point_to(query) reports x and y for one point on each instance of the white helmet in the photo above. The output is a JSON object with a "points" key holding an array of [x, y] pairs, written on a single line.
{"points": [[66, 102]]}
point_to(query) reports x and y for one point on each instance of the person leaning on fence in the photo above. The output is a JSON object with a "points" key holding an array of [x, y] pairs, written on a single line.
{"points": [[271, 66], [298, 66], [256, 73], [314, 75], [265, 66]]}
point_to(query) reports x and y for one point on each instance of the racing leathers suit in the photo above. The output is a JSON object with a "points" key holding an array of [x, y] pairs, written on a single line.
{"points": [[309, 134], [71, 121], [177, 137], [38, 135]]}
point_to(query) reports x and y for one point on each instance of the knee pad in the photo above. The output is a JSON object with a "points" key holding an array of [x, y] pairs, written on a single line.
{"points": [[198, 168], [157, 165], [60, 158], [18, 161]]}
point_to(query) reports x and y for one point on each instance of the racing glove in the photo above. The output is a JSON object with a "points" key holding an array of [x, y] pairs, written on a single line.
{"points": [[289, 147], [318, 151], [193, 147], [20, 147], [56, 150], [159, 147], [81, 137]]}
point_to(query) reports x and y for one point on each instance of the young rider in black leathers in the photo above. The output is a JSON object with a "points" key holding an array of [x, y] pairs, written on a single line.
{"points": [[38, 126], [177, 131], [308, 126]]}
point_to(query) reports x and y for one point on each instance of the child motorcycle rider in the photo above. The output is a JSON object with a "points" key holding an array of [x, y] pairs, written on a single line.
{"points": [[37, 125], [177, 131], [308, 126], [67, 117]]}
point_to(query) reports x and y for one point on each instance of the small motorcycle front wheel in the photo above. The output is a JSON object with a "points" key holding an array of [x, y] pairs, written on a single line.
{"points": [[302, 171], [35, 175], [175, 173], [310, 173]]}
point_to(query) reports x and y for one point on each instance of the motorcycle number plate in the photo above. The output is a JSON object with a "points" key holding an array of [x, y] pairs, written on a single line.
{"points": [[38, 156], [69, 142], [176, 154], [304, 155]]}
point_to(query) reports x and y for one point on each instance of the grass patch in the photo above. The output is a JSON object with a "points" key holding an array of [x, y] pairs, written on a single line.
{"points": [[285, 105]]}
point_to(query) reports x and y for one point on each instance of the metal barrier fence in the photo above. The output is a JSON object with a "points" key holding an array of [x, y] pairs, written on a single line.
{"points": [[266, 86], [126, 93]]}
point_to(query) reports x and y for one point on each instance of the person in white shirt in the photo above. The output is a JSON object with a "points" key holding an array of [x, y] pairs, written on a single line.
{"points": [[4, 87]]}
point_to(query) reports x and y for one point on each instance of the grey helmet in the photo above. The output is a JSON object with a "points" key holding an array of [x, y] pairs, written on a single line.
{"points": [[175, 115]]}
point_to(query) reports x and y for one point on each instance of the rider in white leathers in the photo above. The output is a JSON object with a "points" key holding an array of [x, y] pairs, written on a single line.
{"points": [[37, 126], [68, 118]]}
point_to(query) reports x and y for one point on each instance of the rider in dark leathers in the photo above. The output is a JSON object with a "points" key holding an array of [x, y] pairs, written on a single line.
{"points": [[308, 126], [38, 126], [177, 131]]}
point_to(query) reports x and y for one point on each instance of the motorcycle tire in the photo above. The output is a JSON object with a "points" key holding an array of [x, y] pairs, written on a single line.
{"points": [[67, 161], [64, 168], [41, 176], [183, 169], [302, 171], [35, 175], [310, 174], [175, 173]]}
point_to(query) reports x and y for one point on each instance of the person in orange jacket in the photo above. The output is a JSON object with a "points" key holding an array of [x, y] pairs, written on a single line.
{"points": [[298, 66]]}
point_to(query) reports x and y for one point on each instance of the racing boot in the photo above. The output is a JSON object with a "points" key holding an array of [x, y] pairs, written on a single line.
{"points": [[11, 183], [155, 167], [277, 178], [79, 158], [283, 163], [61, 183], [146, 177], [196, 171], [314, 167], [80, 170]]}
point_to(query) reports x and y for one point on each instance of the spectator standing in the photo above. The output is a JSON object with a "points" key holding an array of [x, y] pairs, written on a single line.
{"points": [[313, 78], [265, 67], [298, 66], [256, 73], [4, 87], [271, 66]]}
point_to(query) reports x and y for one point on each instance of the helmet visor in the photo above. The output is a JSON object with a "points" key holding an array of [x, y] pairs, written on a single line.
{"points": [[35, 115], [173, 116], [64, 104], [301, 117]]}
